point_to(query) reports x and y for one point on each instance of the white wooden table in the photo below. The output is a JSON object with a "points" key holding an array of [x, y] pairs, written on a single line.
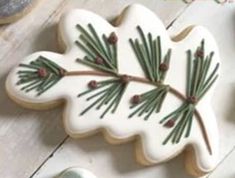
{"points": [[34, 144]]}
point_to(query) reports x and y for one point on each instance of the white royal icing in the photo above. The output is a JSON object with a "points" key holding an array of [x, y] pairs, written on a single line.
{"points": [[117, 125]]}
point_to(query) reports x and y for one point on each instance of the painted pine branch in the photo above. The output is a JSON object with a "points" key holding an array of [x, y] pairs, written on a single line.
{"points": [[148, 102], [148, 52], [107, 93], [44, 73], [200, 77], [100, 51], [39, 75], [101, 54]]}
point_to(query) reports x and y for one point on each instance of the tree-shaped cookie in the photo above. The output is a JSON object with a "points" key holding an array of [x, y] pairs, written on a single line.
{"points": [[129, 81]]}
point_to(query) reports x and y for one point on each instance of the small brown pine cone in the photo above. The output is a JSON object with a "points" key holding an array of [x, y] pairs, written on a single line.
{"points": [[136, 99], [199, 53], [112, 39], [125, 78], [42, 72], [92, 84], [99, 60], [192, 99], [163, 67], [62, 72], [170, 123]]}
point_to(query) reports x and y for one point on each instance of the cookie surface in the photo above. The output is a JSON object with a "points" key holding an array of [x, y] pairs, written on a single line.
{"points": [[130, 82], [11, 10]]}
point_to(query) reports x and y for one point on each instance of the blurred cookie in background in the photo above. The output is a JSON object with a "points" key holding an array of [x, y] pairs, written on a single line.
{"points": [[76, 172], [12, 10]]}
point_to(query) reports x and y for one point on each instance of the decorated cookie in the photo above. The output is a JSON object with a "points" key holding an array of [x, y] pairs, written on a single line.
{"points": [[130, 81], [12, 10], [76, 173]]}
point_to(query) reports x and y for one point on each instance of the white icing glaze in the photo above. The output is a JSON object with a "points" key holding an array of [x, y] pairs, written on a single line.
{"points": [[117, 125], [76, 172]]}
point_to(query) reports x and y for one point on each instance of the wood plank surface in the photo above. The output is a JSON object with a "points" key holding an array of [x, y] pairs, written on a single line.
{"points": [[28, 138], [226, 169], [107, 161]]}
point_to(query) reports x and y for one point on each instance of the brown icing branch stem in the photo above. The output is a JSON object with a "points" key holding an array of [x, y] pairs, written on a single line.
{"points": [[145, 80], [205, 136]]}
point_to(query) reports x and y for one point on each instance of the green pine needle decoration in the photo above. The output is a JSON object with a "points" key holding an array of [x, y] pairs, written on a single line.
{"points": [[149, 102], [107, 93], [184, 116], [40, 75], [199, 81], [101, 52], [149, 54]]}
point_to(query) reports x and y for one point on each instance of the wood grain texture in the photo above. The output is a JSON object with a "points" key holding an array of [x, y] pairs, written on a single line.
{"points": [[28, 138], [226, 168], [107, 161]]}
